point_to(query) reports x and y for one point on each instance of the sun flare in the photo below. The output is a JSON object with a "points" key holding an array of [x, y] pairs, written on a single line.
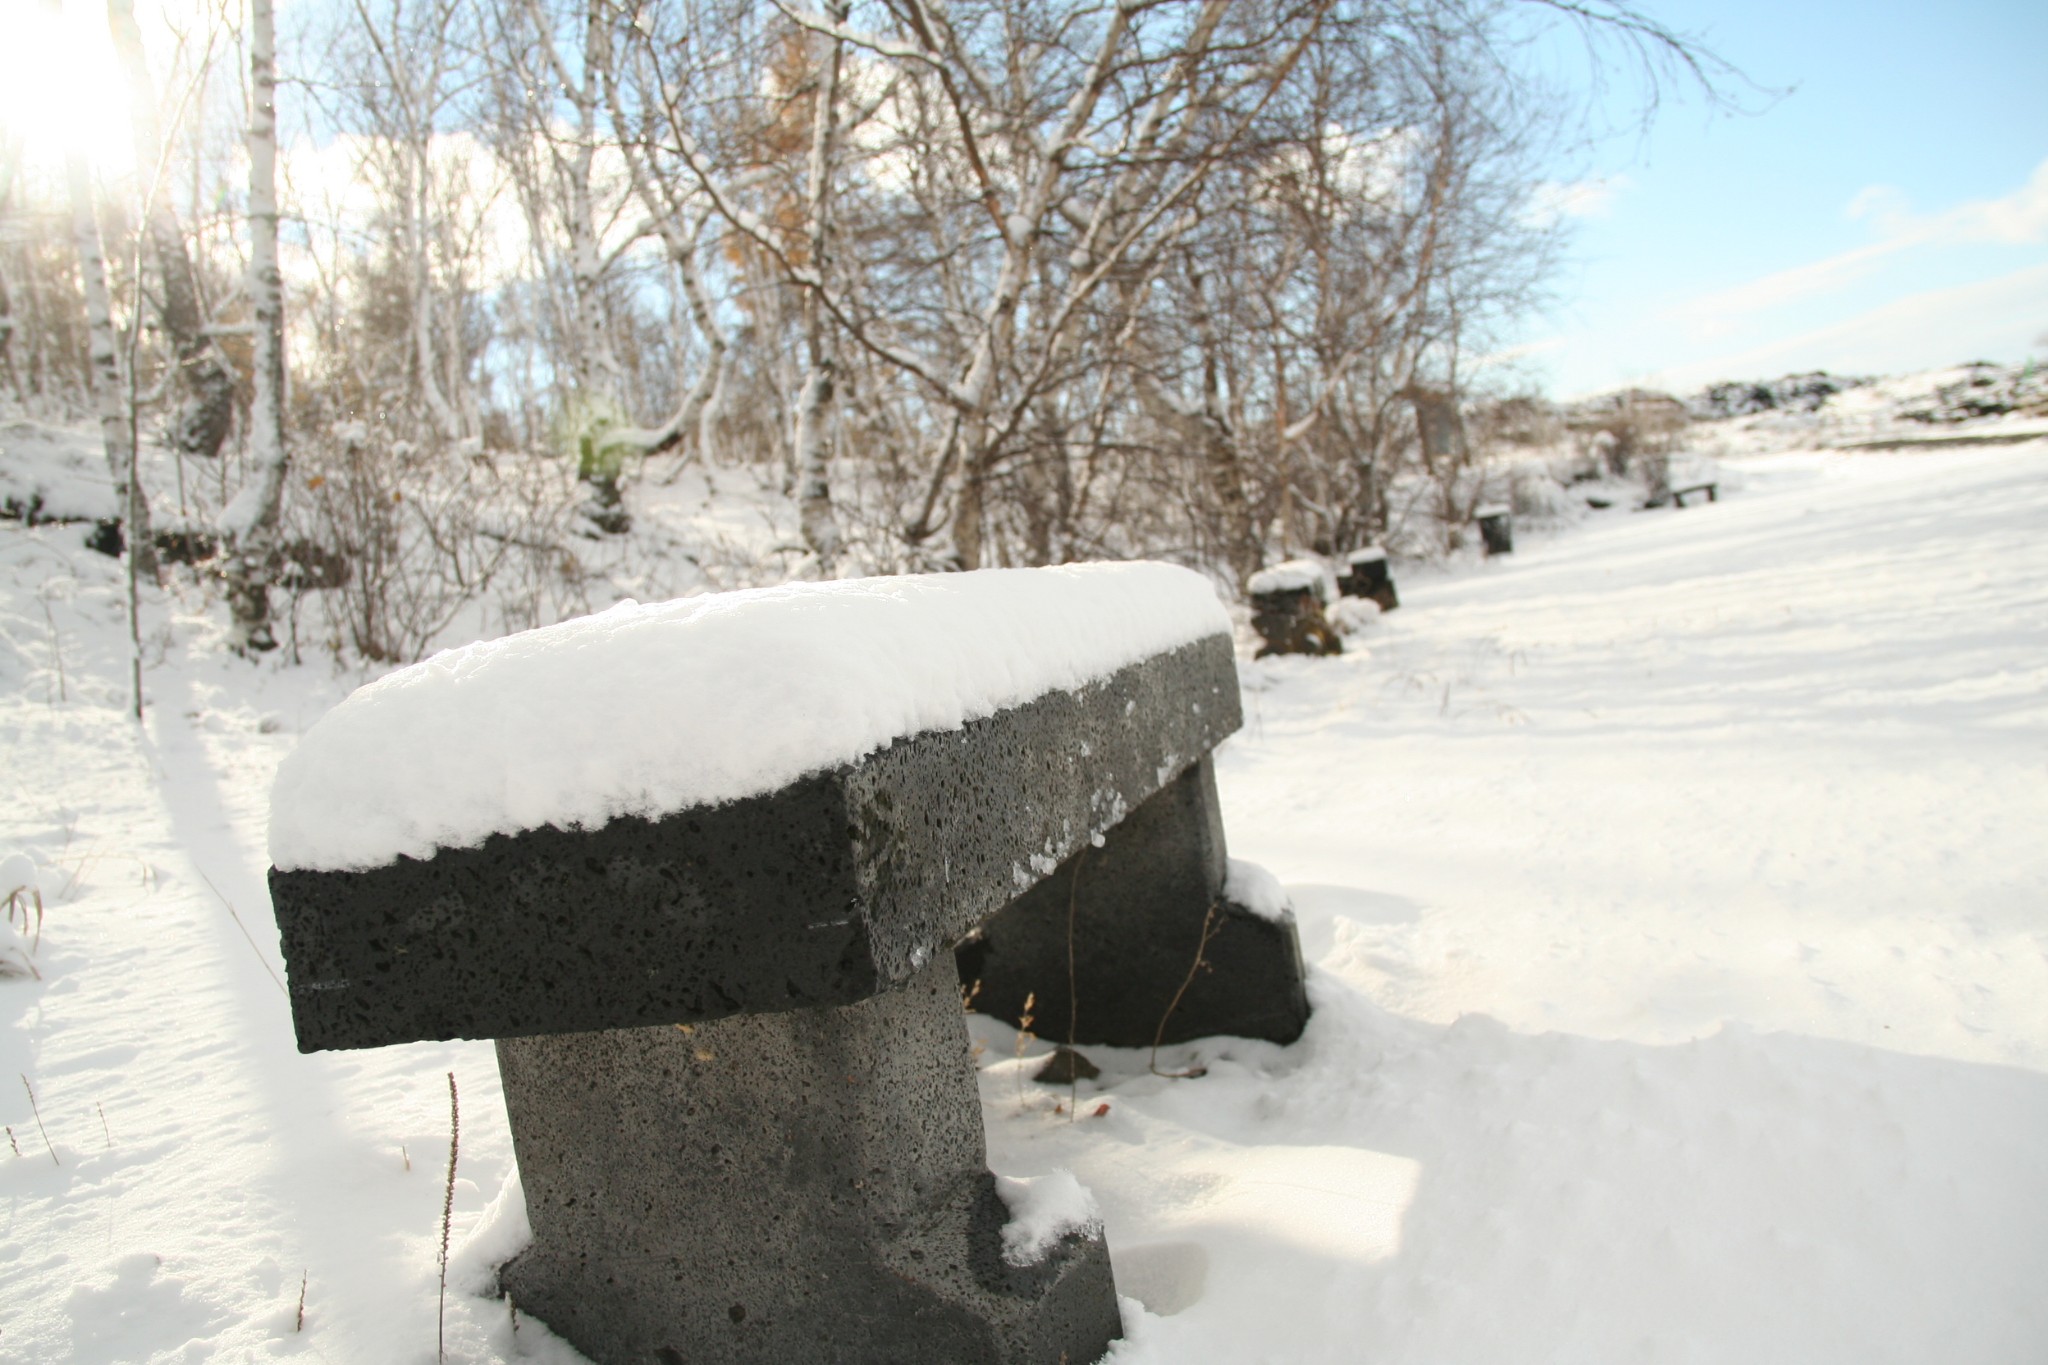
{"points": [[61, 86]]}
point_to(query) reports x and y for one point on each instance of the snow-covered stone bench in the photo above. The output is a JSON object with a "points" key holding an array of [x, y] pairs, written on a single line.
{"points": [[1708, 486], [700, 868], [1496, 529], [1367, 575], [1287, 609]]}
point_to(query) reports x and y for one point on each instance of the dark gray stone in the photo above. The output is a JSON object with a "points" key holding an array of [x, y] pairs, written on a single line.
{"points": [[802, 1186], [1066, 1066], [1497, 533], [1291, 621], [1369, 576], [732, 1045], [1138, 908], [820, 894]]}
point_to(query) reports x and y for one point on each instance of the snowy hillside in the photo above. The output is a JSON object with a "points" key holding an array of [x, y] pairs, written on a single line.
{"points": [[1673, 891], [1976, 403]]}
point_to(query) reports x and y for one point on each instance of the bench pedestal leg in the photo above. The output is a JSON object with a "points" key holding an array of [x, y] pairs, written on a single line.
{"points": [[1139, 913], [803, 1186]]}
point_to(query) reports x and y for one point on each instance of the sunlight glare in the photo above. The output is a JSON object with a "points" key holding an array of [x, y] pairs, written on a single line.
{"points": [[61, 88]]}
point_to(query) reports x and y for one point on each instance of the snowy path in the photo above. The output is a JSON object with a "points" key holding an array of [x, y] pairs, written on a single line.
{"points": [[1782, 759], [201, 1165], [1682, 935], [1681, 908]]}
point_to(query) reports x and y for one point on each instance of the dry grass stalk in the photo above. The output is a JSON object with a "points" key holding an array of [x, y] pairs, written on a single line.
{"points": [[56, 652], [20, 899], [1073, 990], [37, 1110], [1201, 961], [447, 1216], [1024, 1039]]}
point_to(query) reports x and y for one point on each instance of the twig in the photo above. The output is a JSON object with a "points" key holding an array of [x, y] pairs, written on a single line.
{"points": [[36, 1109], [1024, 1037], [103, 1124], [300, 1325], [1208, 932], [10, 1140], [56, 651], [253, 945], [447, 1215]]}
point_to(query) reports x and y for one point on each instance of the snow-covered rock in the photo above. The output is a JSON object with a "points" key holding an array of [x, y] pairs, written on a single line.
{"points": [[51, 474]]}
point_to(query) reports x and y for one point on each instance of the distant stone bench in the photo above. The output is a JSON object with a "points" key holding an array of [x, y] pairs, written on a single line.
{"points": [[701, 867], [1711, 489], [1366, 574], [1496, 529], [1287, 609]]}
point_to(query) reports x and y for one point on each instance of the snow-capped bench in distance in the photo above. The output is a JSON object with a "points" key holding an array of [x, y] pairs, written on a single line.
{"points": [[1496, 529], [1709, 487], [699, 868], [1367, 575], [1287, 608]]}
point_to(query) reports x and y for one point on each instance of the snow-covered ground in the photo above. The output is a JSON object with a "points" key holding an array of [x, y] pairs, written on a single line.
{"points": [[1976, 403], [1674, 893]]}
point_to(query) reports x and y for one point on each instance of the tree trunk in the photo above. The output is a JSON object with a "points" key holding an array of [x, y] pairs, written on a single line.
{"points": [[7, 329], [201, 426], [251, 520], [815, 514], [103, 374], [970, 504]]}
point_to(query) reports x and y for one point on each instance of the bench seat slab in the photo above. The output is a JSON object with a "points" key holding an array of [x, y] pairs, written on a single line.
{"points": [[828, 891]]}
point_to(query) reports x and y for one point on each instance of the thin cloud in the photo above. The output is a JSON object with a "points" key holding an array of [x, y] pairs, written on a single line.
{"points": [[1993, 318], [2019, 218], [1552, 201]]}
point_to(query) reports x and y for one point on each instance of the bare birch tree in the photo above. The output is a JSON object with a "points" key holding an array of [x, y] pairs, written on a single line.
{"points": [[249, 525], [104, 375], [207, 410]]}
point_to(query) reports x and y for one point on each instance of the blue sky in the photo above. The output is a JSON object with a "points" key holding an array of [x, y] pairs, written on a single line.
{"points": [[1889, 213]]}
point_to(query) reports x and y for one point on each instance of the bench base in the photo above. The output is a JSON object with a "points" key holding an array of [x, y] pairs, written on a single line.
{"points": [[1371, 579], [1139, 908], [809, 1186]]}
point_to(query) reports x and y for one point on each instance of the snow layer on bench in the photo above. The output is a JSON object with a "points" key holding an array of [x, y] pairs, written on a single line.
{"points": [[647, 709], [1292, 576]]}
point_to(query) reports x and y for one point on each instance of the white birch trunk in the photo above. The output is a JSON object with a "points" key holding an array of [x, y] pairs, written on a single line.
{"points": [[706, 403], [104, 373], [208, 408], [815, 514], [419, 212], [250, 522]]}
